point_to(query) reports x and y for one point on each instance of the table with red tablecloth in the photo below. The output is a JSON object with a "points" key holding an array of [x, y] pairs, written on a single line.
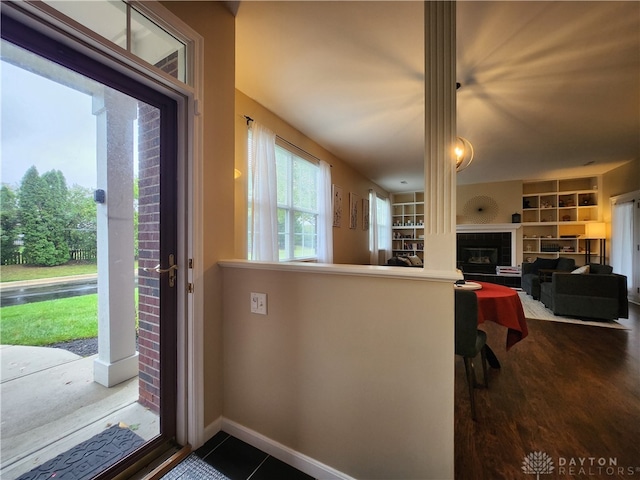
{"points": [[502, 305]]}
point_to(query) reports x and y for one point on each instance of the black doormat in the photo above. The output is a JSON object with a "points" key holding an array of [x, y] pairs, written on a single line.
{"points": [[89, 458]]}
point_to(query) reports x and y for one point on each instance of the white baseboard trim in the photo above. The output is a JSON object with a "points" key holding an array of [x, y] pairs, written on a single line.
{"points": [[283, 453], [211, 429]]}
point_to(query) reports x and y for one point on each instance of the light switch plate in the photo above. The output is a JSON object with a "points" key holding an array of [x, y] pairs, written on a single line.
{"points": [[259, 303]]}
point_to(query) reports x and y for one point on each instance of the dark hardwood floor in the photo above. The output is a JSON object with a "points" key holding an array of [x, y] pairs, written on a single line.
{"points": [[569, 391]]}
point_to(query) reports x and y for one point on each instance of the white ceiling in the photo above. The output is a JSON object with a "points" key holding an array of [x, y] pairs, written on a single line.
{"points": [[549, 89]]}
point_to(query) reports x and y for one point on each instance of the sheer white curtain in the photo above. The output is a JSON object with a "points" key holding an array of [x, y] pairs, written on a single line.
{"points": [[379, 228], [325, 214], [264, 199], [622, 239], [373, 229]]}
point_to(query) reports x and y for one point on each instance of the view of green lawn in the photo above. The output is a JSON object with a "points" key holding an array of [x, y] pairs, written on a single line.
{"points": [[51, 321], [14, 273]]}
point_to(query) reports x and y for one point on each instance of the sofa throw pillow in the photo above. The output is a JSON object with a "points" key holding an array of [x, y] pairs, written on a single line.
{"points": [[566, 264], [404, 261], [600, 269], [544, 263], [415, 260], [581, 270]]}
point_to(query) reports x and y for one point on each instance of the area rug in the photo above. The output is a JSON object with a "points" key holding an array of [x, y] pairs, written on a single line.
{"points": [[536, 310], [89, 458], [194, 468]]}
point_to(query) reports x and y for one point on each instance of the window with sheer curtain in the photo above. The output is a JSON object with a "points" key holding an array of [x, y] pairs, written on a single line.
{"points": [[297, 220], [380, 228], [622, 239], [297, 206]]}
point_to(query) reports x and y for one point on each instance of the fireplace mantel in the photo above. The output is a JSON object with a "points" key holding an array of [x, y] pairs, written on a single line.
{"points": [[487, 227]]}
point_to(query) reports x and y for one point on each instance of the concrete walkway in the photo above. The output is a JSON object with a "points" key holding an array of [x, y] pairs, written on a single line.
{"points": [[50, 403]]}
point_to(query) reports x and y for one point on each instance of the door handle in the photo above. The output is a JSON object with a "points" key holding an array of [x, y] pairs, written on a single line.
{"points": [[172, 270], [161, 270]]}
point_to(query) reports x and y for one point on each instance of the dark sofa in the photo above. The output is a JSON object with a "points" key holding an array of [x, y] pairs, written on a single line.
{"points": [[599, 294], [402, 261], [530, 272]]}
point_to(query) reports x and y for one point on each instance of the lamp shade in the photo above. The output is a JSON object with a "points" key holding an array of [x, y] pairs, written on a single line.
{"points": [[596, 230]]}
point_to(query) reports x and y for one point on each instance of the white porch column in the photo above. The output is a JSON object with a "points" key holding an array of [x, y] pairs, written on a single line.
{"points": [[440, 133], [117, 356]]}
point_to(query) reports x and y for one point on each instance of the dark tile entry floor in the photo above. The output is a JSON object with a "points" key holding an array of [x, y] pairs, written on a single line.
{"points": [[238, 460]]}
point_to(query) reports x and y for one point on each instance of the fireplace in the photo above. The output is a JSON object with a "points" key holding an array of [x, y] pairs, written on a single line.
{"points": [[482, 252], [480, 256]]}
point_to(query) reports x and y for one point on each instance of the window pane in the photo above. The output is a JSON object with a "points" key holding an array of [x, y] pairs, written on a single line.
{"points": [[383, 223], [106, 18], [283, 234], [304, 184], [154, 45], [148, 41], [305, 235]]}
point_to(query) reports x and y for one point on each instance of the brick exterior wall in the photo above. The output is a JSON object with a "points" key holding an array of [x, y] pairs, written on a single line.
{"points": [[149, 248]]}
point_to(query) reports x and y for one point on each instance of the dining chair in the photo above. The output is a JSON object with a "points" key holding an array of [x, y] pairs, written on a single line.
{"points": [[469, 340]]}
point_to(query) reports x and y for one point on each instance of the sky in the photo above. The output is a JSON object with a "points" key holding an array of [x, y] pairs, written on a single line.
{"points": [[47, 125]]}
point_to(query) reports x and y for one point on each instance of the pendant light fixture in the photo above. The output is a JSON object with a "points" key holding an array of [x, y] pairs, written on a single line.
{"points": [[463, 149], [464, 153]]}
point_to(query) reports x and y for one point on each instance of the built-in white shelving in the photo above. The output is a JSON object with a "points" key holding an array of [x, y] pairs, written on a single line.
{"points": [[555, 214], [407, 223]]}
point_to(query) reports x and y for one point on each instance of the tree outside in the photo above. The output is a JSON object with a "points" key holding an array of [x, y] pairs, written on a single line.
{"points": [[9, 224], [81, 221], [43, 201], [46, 221]]}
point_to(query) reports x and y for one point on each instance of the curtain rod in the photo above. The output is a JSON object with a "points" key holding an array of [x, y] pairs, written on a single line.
{"points": [[249, 120]]}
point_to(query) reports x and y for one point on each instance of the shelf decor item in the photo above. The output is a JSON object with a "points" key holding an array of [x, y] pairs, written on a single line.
{"points": [[516, 218]]}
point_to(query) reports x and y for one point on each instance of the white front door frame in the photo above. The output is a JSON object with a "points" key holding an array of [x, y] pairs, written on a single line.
{"points": [[190, 401]]}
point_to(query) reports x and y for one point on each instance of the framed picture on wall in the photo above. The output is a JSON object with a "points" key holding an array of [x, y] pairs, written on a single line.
{"points": [[336, 201], [353, 210], [365, 214]]}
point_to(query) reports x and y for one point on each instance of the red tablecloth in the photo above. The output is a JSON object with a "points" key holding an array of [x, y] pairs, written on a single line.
{"points": [[502, 305]]}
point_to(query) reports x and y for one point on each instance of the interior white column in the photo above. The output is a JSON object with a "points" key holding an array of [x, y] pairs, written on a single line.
{"points": [[440, 133], [117, 356]]}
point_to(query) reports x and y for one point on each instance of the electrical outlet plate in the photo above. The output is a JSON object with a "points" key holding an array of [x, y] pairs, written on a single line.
{"points": [[259, 303]]}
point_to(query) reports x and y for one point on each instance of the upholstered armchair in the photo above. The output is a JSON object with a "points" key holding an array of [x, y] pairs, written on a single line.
{"points": [[531, 278]]}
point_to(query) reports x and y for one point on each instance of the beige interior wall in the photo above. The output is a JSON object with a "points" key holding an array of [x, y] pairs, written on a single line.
{"points": [[623, 179], [216, 24], [353, 371], [350, 246], [508, 196]]}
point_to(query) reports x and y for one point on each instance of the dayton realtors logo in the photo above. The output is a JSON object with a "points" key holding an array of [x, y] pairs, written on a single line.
{"points": [[539, 463]]}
